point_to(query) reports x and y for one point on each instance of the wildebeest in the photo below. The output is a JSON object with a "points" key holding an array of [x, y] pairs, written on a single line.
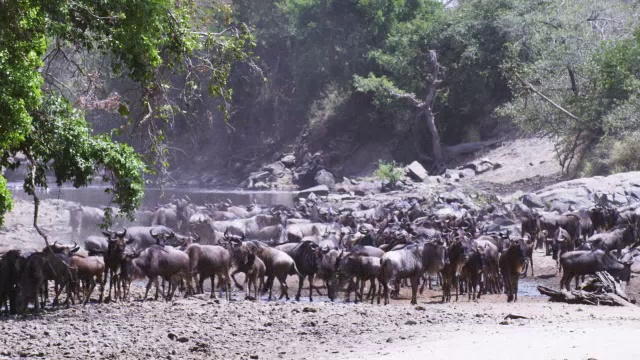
{"points": [[209, 261], [278, 264], [12, 265], [90, 271], [304, 255], [562, 243], [85, 219], [249, 264], [363, 268], [114, 258], [166, 262], [410, 262], [580, 262], [616, 239], [512, 263]]}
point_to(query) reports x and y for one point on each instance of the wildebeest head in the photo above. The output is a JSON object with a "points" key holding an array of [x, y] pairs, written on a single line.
{"points": [[62, 249], [165, 238]]}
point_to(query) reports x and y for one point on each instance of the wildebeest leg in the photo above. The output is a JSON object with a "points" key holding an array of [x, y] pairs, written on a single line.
{"points": [[300, 284], [213, 287], [227, 285], [515, 288], [311, 277], [270, 285], [238, 286], [361, 290], [284, 288], [149, 283], [414, 289]]}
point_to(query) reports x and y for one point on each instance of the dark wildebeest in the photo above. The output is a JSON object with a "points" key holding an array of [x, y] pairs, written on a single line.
{"points": [[603, 218], [113, 261], [304, 255], [512, 263], [580, 262], [531, 226], [327, 269], [562, 243], [458, 254], [12, 265], [410, 262], [616, 239]]}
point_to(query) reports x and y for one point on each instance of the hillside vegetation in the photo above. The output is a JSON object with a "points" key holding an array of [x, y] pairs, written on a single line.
{"points": [[210, 86]]}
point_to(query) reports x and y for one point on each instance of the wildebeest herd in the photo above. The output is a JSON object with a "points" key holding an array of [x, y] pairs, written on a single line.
{"points": [[404, 242]]}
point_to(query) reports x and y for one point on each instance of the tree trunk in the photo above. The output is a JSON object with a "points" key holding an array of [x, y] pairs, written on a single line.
{"points": [[432, 83]]}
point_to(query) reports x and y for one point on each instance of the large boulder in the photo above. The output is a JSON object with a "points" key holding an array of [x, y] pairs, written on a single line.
{"points": [[416, 171], [288, 160], [324, 177], [533, 201]]}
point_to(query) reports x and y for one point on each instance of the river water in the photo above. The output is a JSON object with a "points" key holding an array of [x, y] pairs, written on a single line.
{"points": [[96, 195]]}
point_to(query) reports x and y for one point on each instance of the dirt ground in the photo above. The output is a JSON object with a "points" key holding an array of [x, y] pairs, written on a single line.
{"points": [[202, 328]]}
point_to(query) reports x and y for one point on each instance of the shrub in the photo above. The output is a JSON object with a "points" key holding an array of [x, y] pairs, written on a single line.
{"points": [[389, 171]]}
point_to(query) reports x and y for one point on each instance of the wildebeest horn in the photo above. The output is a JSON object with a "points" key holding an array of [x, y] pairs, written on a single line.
{"points": [[152, 234], [226, 233], [123, 233]]}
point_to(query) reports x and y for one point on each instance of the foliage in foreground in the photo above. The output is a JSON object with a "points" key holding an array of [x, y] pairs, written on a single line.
{"points": [[145, 42]]}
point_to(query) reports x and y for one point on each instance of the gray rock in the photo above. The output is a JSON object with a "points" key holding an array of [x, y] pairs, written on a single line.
{"points": [[276, 169], [416, 171], [320, 190], [260, 186], [288, 161], [520, 209], [467, 173], [532, 201], [324, 177]]}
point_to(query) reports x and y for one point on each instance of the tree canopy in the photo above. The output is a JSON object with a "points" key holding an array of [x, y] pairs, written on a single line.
{"points": [[145, 42]]}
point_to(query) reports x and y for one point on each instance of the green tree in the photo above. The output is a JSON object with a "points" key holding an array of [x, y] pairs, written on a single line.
{"points": [[144, 41], [573, 72]]}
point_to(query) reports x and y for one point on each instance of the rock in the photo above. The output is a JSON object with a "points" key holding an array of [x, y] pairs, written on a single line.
{"points": [[288, 160], [309, 310], [324, 177], [411, 322], [276, 169], [532, 201], [467, 173], [520, 209], [253, 356], [416, 171], [260, 186], [480, 166], [454, 175], [182, 339]]}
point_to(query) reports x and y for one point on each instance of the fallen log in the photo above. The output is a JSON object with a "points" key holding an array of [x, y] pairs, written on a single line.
{"points": [[583, 297]]}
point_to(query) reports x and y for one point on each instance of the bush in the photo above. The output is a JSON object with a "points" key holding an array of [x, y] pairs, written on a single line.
{"points": [[389, 171], [614, 156]]}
